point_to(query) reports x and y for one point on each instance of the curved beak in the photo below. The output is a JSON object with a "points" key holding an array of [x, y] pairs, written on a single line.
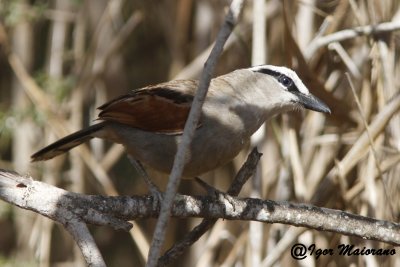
{"points": [[313, 103]]}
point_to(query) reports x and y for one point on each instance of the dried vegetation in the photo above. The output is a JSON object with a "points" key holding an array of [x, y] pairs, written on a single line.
{"points": [[59, 60]]}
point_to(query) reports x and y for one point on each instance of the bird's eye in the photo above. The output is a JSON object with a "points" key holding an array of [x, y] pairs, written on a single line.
{"points": [[285, 81]]}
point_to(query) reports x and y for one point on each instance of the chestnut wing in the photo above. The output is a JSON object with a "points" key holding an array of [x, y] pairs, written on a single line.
{"points": [[161, 108]]}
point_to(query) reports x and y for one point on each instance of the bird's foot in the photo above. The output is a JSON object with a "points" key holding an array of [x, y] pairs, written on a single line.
{"points": [[211, 191]]}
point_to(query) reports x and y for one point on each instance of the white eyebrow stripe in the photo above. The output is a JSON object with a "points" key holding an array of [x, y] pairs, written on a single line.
{"points": [[286, 71]]}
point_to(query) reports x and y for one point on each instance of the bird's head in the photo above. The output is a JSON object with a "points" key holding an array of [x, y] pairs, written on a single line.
{"points": [[283, 88]]}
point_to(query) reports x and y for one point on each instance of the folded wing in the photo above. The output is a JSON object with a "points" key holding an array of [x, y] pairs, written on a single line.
{"points": [[163, 108]]}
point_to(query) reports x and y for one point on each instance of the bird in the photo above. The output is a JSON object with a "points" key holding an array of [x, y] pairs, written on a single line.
{"points": [[149, 121]]}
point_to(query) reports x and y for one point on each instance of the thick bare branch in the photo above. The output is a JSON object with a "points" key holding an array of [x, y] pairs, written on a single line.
{"points": [[64, 207]]}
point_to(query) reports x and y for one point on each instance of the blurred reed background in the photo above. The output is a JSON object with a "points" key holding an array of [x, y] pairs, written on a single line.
{"points": [[61, 59]]}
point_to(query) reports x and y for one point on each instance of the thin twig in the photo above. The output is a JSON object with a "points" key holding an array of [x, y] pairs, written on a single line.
{"points": [[350, 33], [282, 247], [242, 176], [85, 242], [350, 64], [357, 151], [371, 143], [258, 57], [189, 131]]}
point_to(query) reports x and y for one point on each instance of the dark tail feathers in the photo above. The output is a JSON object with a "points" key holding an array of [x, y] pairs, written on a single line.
{"points": [[65, 144]]}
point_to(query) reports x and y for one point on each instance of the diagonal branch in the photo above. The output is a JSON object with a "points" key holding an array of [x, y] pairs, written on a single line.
{"points": [[189, 131], [350, 33], [245, 172]]}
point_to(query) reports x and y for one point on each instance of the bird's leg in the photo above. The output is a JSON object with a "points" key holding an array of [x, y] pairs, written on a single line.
{"points": [[211, 191], [215, 194], [154, 190]]}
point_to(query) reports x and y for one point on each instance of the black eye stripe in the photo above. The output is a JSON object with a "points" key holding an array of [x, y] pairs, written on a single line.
{"points": [[281, 78]]}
